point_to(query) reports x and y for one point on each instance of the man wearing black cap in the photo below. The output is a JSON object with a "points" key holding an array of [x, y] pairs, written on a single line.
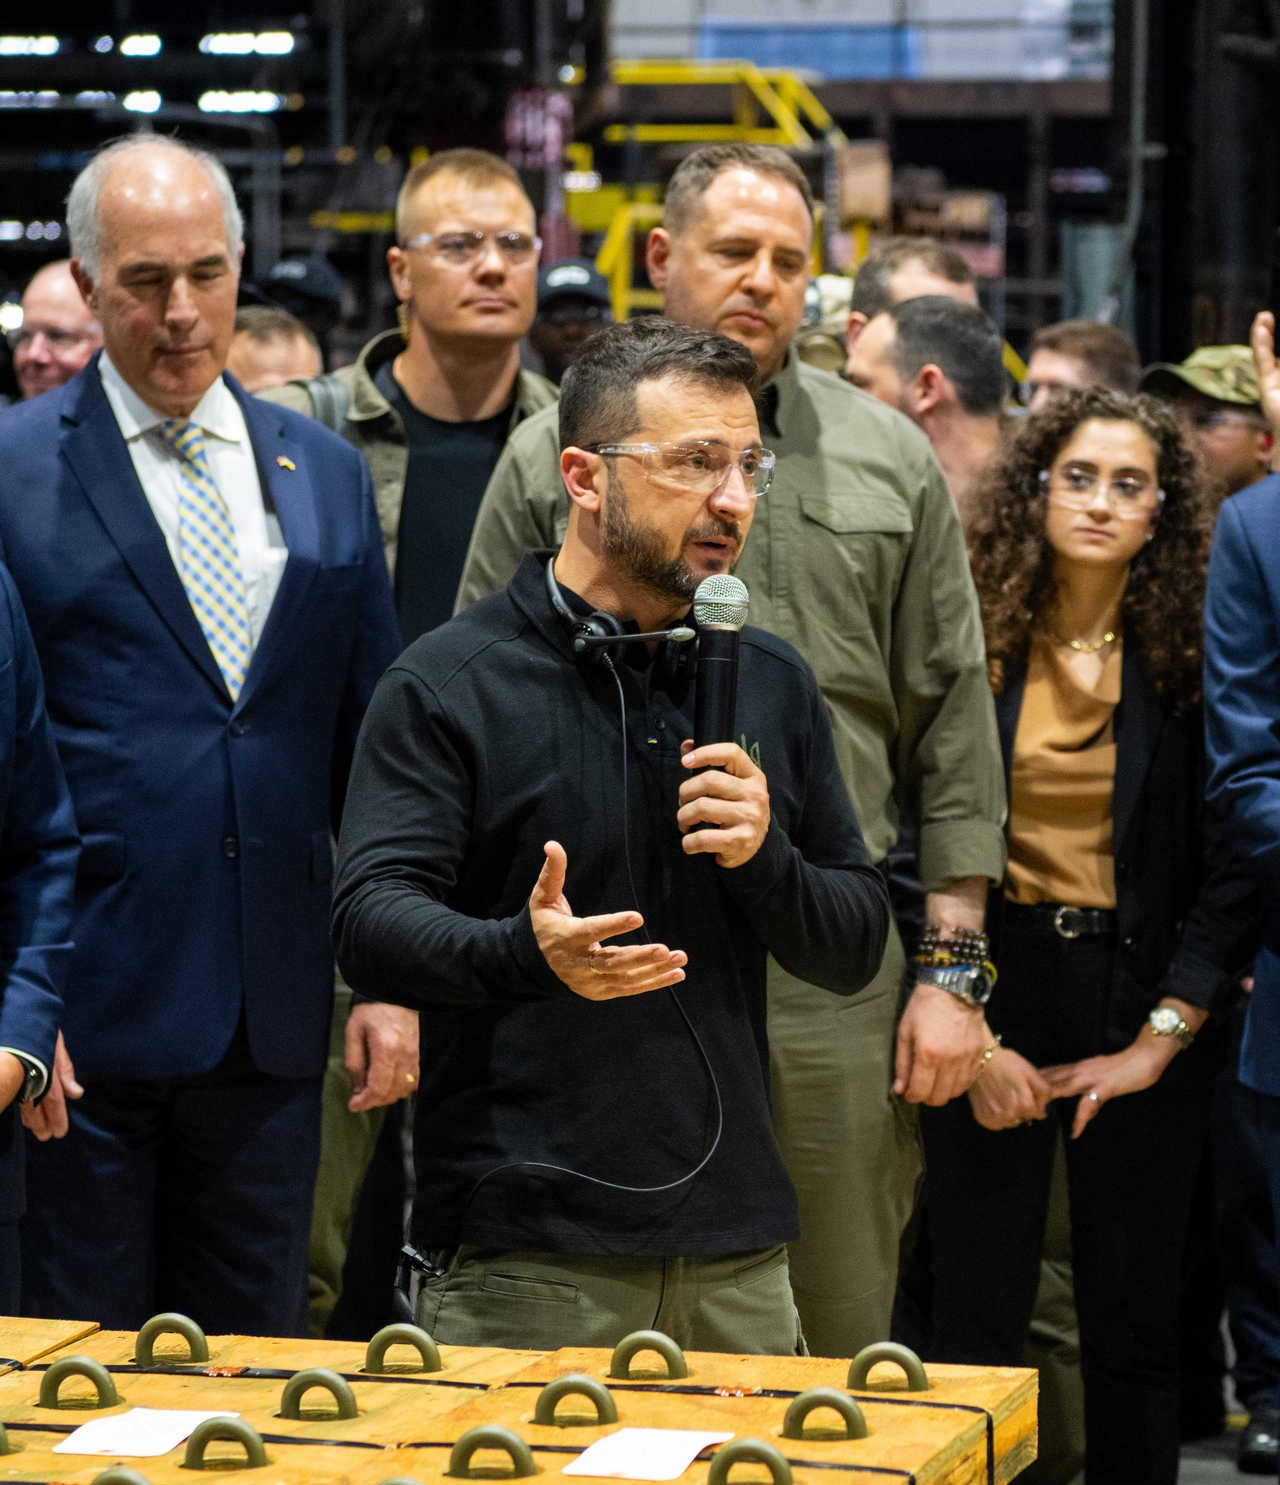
{"points": [[573, 303]]}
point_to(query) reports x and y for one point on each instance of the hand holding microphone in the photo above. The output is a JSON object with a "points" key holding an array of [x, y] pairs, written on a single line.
{"points": [[724, 808]]}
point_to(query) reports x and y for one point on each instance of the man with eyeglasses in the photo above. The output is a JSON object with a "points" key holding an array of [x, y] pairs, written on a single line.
{"points": [[857, 559], [430, 405], [1215, 394], [581, 902], [58, 333]]}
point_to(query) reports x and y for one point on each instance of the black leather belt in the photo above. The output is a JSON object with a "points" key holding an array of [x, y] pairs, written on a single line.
{"points": [[1061, 918]]}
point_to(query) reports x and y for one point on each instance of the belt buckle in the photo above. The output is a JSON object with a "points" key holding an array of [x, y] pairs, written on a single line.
{"points": [[1067, 922]]}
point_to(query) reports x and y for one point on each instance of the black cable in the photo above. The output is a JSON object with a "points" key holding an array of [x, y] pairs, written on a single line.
{"points": [[565, 1170]]}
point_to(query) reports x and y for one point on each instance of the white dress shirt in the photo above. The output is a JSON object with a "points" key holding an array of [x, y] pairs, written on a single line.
{"points": [[235, 472]]}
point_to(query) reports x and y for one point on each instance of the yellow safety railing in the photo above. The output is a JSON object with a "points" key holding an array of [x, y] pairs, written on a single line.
{"points": [[798, 118]]}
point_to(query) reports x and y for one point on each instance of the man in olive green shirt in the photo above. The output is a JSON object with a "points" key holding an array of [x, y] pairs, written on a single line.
{"points": [[856, 557]]}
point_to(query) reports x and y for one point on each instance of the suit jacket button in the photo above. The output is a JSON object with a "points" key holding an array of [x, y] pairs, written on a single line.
{"points": [[238, 729], [231, 847]]}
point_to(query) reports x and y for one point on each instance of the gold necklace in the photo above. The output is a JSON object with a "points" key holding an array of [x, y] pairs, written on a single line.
{"points": [[1086, 646]]}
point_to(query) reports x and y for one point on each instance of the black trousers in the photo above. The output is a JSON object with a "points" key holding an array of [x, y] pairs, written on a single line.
{"points": [[1130, 1179], [189, 1194]]}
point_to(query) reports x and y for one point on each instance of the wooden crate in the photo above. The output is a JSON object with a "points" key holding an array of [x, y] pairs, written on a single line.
{"points": [[247, 1375], [971, 1427], [24, 1341], [990, 1409]]}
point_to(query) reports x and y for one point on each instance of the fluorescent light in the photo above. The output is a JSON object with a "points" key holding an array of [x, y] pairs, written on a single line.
{"points": [[92, 97], [147, 101], [228, 43], [247, 43], [11, 232], [241, 102], [10, 312], [30, 98], [28, 46], [140, 46]]}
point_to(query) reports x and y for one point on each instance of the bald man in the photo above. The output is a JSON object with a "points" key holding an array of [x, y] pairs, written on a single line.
{"points": [[58, 333]]}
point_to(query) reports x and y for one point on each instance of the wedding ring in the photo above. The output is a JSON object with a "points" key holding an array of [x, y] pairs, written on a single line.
{"points": [[410, 1078], [1093, 1098]]}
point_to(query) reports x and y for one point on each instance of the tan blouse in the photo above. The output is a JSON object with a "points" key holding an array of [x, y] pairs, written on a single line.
{"points": [[1062, 781]]}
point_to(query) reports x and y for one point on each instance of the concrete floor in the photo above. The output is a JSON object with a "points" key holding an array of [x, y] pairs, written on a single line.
{"points": [[1213, 1461]]}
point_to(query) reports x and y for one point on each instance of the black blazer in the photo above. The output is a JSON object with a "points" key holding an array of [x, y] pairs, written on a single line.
{"points": [[1186, 911]]}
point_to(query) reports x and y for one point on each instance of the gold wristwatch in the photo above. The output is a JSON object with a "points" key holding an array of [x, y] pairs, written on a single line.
{"points": [[1165, 1021]]}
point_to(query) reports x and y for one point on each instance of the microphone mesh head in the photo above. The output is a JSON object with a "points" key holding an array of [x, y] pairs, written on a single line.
{"points": [[721, 602]]}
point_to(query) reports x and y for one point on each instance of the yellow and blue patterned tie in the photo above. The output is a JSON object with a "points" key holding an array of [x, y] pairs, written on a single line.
{"points": [[208, 557]]}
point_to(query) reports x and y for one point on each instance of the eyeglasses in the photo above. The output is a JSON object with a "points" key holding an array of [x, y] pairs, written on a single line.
{"points": [[1075, 486], [1029, 391], [459, 249], [55, 339], [697, 468]]}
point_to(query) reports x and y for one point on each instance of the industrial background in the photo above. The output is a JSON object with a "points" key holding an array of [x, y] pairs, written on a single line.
{"points": [[1087, 157]]}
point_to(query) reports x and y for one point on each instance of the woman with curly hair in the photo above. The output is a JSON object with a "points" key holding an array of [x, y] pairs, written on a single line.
{"points": [[1120, 928]]}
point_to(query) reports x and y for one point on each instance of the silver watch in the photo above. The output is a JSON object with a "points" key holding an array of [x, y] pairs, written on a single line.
{"points": [[1165, 1021], [967, 982]]}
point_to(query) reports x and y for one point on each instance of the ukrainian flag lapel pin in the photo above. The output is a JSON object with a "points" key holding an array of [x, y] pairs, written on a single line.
{"points": [[284, 462]]}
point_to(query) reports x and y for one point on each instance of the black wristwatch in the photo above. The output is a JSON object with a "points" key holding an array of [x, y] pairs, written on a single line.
{"points": [[969, 983], [33, 1082]]}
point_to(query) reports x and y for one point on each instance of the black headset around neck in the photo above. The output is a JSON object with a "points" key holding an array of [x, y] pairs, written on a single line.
{"points": [[598, 638]]}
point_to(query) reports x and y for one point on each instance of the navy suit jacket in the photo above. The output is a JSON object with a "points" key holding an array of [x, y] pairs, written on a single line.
{"points": [[1242, 713], [204, 880], [38, 849]]}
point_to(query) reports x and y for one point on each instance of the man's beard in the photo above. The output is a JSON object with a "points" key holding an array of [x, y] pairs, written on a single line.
{"points": [[637, 550]]}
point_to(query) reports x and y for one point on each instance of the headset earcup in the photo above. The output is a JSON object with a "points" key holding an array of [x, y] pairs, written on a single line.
{"points": [[596, 626]]}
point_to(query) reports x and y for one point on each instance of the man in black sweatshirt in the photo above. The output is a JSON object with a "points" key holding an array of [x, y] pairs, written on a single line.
{"points": [[580, 902]]}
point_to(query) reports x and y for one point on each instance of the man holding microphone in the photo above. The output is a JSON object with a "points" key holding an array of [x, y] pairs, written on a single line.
{"points": [[581, 902]]}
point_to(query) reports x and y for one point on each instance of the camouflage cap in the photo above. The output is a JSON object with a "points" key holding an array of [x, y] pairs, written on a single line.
{"points": [[1224, 372]]}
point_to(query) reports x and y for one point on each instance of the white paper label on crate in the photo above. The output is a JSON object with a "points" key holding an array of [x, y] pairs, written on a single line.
{"points": [[644, 1453], [141, 1432]]}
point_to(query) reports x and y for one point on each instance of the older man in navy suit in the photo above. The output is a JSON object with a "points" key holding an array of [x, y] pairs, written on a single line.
{"points": [[204, 579]]}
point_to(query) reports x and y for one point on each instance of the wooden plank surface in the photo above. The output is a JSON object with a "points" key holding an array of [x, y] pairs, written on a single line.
{"points": [[23, 1341], [973, 1426], [929, 1445], [1005, 1395], [248, 1375]]}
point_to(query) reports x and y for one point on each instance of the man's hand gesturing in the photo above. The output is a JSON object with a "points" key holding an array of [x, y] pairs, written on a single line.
{"points": [[573, 949]]}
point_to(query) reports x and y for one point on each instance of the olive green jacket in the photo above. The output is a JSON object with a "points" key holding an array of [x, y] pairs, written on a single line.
{"points": [[375, 428], [856, 557]]}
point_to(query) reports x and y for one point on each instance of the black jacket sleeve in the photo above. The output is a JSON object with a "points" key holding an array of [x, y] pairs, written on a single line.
{"points": [[812, 898], [404, 838]]}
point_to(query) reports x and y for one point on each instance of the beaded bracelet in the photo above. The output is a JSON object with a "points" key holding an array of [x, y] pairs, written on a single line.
{"points": [[963, 945]]}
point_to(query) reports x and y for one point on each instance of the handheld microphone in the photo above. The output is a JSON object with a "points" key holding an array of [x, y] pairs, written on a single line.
{"points": [[720, 607]]}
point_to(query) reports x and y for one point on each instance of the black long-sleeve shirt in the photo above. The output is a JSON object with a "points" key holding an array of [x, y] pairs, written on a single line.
{"points": [[484, 741]]}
